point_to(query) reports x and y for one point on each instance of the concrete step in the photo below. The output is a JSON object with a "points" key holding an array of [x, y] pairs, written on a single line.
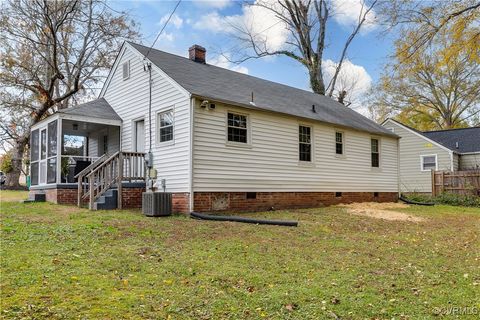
{"points": [[108, 201], [37, 197]]}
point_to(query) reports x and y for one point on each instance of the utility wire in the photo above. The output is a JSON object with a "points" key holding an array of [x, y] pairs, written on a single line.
{"points": [[163, 28], [149, 67]]}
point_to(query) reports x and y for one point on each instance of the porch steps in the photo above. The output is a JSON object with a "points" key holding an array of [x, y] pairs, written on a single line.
{"points": [[108, 201]]}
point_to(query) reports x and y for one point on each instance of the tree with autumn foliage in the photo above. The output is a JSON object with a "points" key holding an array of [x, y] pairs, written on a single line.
{"points": [[53, 54], [435, 86]]}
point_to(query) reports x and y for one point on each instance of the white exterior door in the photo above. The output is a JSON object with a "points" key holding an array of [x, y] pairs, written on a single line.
{"points": [[140, 136]]}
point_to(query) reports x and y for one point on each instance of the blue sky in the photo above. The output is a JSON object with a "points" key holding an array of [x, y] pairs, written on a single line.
{"points": [[198, 22]]}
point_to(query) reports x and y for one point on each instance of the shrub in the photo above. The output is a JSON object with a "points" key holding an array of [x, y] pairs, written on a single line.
{"points": [[452, 199], [458, 199], [6, 163]]}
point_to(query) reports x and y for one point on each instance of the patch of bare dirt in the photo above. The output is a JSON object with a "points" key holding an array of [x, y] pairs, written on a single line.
{"points": [[381, 211]]}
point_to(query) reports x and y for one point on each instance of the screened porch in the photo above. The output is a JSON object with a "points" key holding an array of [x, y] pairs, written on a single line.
{"points": [[67, 142]]}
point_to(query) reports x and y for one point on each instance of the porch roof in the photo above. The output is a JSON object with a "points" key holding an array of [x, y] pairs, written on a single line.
{"points": [[95, 111], [98, 108]]}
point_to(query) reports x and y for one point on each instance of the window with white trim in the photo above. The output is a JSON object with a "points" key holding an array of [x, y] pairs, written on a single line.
{"points": [[237, 128], [126, 70], [375, 151], [304, 143], [165, 126], [429, 162], [339, 143]]}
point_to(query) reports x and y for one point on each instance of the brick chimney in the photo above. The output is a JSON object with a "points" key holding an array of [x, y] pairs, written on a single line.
{"points": [[197, 53]]}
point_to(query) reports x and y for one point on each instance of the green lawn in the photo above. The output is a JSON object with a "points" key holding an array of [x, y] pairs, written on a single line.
{"points": [[60, 262]]}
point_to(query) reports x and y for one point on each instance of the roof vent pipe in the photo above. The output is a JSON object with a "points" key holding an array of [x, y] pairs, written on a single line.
{"points": [[456, 144], [313, 108], [251, 101]]}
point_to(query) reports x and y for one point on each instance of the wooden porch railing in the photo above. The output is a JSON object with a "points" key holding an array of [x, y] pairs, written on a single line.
{"points": [[121, 166], [82, 179]]}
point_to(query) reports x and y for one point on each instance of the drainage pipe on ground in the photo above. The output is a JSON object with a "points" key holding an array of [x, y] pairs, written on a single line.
{"points": [[416, 203], [202, 216]]}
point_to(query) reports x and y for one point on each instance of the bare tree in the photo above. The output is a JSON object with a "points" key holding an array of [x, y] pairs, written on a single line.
{"points": [[52, 51], [306, 24]]}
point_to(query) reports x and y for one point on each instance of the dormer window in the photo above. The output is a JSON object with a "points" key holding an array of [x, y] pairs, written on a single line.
{"points": [[126, 70]]}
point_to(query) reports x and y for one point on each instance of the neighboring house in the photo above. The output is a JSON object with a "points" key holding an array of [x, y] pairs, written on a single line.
{"points": [[222, 140], [421, 152]]}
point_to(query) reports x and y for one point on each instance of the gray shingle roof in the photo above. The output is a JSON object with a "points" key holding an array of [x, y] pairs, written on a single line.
{"points": [[98, 108], [215, 83], [468, 139]]}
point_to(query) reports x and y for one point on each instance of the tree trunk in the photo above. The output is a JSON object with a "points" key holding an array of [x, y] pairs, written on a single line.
{"points": [[12, 179], [316, 81]]}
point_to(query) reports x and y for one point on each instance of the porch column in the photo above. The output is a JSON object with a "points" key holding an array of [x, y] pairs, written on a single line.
{"points": [[59, 150]]}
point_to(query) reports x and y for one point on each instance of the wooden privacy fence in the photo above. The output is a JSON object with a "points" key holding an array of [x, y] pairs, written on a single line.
{"points": [[461, 182]]}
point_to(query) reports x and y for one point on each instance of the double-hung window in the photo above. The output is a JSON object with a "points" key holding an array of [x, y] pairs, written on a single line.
{"points": [[339, 143], [429, 162], [304, 143], [237, 128], [375, 150], [165, 125]]}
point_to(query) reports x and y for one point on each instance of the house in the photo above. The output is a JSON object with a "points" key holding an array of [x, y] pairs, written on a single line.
{"points": [[219, 140], [421, 152]]}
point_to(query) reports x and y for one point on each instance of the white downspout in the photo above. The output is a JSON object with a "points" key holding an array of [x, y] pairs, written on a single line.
{"points": [[398, 167], [192, 115]]}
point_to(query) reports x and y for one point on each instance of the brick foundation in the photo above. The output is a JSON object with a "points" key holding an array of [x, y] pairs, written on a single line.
{"points": [[261, 201], [131, 197], [181, 202]]}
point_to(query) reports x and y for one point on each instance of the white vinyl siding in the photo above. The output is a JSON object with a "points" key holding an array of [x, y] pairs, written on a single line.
{"points": [[456, 159], [130, 100], [412, 146], [470, 161], [271, 164], [95, 141]]}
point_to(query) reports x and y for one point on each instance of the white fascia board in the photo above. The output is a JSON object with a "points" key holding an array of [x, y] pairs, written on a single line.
{"points": [[110, 122], [418, 134], [45, 121], [112, 70]]}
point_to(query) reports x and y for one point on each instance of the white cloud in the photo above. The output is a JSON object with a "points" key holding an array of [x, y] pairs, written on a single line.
{"points": [[269, 31], [347, 12], [175, 20], [217, 4], [223, 62], [352, 78], [166, 37], [211, 22], [264, 24]]}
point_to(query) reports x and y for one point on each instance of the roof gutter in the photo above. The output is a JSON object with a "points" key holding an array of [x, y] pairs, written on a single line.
{"points": [[253, 107]]}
